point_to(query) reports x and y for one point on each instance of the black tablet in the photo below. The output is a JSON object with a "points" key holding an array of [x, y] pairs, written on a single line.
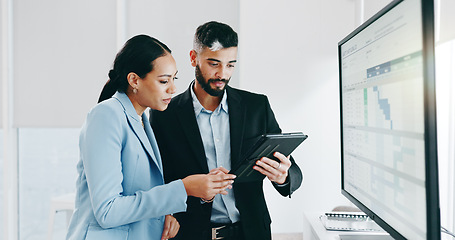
{"points": [[265, 146]]}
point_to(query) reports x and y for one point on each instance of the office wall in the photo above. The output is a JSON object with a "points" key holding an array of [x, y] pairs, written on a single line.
{"points": [[2, 191], [445, 79], [62, 53], [445, 20], [1, 63], [288, 51], [63, 50]]}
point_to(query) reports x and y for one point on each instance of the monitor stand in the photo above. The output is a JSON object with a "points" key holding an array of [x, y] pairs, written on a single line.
{"points": [[365, 237]]}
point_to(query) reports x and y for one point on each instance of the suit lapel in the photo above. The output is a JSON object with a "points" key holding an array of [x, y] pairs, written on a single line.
{"points": [[136, 126], [141, 135], [236, 122], [154, 144], [190, 127]]}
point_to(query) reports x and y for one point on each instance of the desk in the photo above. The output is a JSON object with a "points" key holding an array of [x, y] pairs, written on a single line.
{"points": [[314, 230]]}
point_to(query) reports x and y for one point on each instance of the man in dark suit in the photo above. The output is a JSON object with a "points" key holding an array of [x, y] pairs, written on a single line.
{"points": [[207, 129]]}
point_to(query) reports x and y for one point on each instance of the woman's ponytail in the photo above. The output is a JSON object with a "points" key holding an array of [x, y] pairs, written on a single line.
{"points": [[110, 87]]}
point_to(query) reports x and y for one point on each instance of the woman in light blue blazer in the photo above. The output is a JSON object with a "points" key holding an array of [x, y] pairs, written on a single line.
{"points": [[120, 188]]}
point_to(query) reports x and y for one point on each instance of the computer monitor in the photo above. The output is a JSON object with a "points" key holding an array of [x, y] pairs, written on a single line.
{"points": [[388, 120]]}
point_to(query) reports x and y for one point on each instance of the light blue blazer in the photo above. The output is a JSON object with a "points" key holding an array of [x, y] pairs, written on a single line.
{"points": [[120, 189]]}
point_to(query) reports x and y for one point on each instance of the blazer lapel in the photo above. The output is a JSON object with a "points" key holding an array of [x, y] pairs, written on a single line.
{"points": [[190, 128], [136, 126], [236, 121], [154, 144]]}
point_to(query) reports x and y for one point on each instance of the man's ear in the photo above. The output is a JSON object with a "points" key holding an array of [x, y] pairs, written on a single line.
{"points": [[133, 79], [193, 57]]}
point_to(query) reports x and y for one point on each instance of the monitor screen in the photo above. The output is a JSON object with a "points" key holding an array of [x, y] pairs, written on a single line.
{"points": [[388, 120]]}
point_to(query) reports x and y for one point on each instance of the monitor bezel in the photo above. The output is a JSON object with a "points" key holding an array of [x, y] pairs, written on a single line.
{"points": [[430, 135]]}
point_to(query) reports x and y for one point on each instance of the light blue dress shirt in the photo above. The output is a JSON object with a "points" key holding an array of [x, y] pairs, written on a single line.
{"points": [[214, 129]]}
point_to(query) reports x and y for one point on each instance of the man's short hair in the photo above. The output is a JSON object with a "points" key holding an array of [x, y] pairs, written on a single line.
{"points": [[215, 36]]}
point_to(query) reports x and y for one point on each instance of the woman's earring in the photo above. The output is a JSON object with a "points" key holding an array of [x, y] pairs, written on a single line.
{"points": [[134, 90]]}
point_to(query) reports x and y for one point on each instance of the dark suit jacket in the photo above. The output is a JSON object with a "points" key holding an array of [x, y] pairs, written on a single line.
{"points": [[182, 152]]}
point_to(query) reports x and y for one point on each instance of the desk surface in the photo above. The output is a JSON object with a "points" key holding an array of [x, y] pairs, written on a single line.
{"points": [[315, 230]]}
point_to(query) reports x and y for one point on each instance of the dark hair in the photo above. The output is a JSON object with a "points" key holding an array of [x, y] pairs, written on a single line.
{"points": [[211, 32], [137, 55]]}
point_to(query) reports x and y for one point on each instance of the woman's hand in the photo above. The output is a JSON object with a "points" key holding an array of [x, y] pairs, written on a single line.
{"points": [[171, 227], [206, 186], [219, 170]]}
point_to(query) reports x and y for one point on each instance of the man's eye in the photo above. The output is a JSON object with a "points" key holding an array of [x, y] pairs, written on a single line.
{"points": [[213, 64], [163, 81], [231, 66]]}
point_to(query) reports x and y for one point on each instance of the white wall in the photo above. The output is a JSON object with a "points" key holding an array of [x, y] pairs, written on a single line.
{"points": [[63, 50], [445, 76], [288, 51], [444, 20], [1, 62]]}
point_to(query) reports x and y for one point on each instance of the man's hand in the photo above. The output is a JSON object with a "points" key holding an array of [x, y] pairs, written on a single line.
{"points": [[275, 171], [171, 227]]}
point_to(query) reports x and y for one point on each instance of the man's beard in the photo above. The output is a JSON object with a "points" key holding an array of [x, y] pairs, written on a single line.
{"points": [[206, 85]]}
